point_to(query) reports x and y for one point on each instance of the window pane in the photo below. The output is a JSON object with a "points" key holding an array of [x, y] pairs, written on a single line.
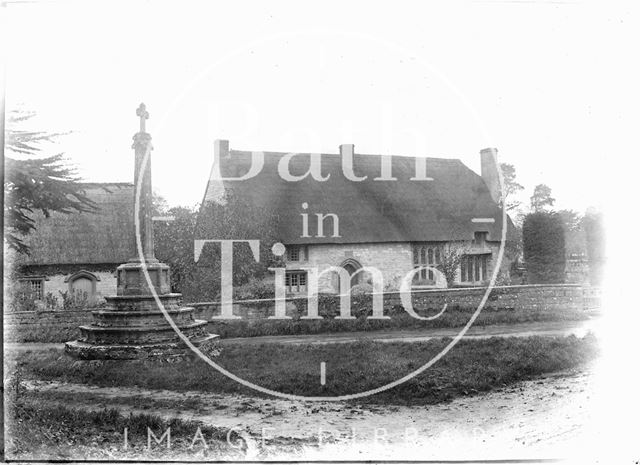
{"points": [[484, 267], [415, 255], [463, 269], [476, 264], [35, 287], [423, 258], [438, 256]]}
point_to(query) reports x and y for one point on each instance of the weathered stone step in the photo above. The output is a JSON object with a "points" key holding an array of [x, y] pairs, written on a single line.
{"points": [[141, 303], [141, 335], [167, 350], [142, 318]]}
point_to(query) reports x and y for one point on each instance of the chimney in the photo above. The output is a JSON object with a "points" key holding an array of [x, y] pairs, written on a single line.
{"points": [[346, 149], [489, 171], [222, 158], [220, 149]]}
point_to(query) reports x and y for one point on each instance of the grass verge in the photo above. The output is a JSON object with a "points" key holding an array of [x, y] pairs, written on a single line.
{"points": [[37, 430], [472, 366], [452, 318]]}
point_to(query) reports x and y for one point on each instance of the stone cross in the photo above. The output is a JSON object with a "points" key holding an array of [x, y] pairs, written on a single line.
{"points": [[142, 181], [144, 115]]}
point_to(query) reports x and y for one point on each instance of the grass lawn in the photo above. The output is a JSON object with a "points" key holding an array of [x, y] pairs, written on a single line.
{"points": [[36, 430], [472, 366]]}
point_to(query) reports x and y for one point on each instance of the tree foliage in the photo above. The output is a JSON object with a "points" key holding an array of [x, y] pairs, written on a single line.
{"points": [[510, 186], [236, 219], [34, 184], [541, 198], [450, 259], [173, 244], [574, 234], [544, 247]]}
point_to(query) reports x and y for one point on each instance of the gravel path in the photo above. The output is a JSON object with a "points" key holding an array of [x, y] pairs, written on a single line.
{"points": [[545, 418]]}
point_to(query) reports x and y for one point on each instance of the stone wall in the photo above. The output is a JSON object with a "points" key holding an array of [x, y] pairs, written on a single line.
{"points": [[63, 325], [36, 325], [105, 286], [394, 260], [527, 298], [576, 271], [54, 284]]}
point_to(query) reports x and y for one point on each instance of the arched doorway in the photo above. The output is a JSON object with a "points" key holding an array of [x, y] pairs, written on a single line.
{"points": [[352, 266], [83, 283]]}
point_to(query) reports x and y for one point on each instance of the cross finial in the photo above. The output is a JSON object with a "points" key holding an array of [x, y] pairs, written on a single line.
{"points": [[144, 115]]}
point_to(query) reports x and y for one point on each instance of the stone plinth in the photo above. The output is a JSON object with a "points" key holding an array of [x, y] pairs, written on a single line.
{"points": [[133, 327], [132, 281]]}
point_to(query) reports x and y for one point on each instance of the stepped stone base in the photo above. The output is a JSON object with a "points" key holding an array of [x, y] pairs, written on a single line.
{"points": [[133, 327], [87, 351]]}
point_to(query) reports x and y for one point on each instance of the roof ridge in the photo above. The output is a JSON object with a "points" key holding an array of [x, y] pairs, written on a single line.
{"points": [[338, 155]]}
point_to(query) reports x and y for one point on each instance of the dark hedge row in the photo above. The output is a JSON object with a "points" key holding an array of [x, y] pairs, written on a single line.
{"points": [[544, 247]]}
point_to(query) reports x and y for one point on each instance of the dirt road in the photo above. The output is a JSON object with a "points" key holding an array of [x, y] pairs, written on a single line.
{"points": [[548, 417]]}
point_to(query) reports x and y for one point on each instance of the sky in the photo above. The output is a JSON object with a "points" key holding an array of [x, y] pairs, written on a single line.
{"points": [[550, 84]]}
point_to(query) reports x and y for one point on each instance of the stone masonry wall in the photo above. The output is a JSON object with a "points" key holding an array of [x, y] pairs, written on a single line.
{"points": [[36, 325], [528, 298], [394, 260], [106, 286]]}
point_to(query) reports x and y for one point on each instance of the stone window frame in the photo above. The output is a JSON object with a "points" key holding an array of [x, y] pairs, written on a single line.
{"points": [[301, 279], [480, 238], [38, 281], [427, 254], [474, 265], [297, 253], [83, 274]]}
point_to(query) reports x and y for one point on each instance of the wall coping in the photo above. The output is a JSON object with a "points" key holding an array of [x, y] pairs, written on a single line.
{"points": [[56, 312]]}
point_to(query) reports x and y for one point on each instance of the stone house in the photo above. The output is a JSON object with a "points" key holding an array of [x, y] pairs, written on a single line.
{"points": [[391, 213], [79, 252]]}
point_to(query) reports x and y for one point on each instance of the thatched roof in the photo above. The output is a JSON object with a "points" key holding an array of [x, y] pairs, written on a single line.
{"points": [[369, 211], [105, 236]]}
